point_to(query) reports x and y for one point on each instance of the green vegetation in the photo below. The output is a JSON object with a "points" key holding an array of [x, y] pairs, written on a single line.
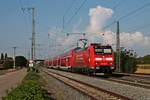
{"points": [[144, 60], [2, 72], [2, 56], [127, 62], [7, 62], [20, 61], [30, 89]]}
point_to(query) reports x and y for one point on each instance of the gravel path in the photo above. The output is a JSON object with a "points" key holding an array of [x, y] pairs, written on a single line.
{"points": [[10, 80], [135, 93], [61, 91]]}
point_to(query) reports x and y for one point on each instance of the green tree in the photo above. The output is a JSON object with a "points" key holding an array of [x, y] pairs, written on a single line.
{"points": [[20, 61], [143, 60], [130, 65], [5, 56], [146, 59], [2, 56], [128, 62], [8, 63]]}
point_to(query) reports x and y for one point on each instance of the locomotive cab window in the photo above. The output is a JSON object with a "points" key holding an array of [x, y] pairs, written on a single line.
{"points": [[102, 50], [98, 50], [107, 51]]}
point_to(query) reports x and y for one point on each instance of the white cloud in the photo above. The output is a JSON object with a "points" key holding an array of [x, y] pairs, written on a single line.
{"points": [[130, 39], [77, 26], [98, 16]]}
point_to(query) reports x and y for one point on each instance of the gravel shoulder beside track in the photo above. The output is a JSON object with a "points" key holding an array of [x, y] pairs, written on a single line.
{"points": [[137, 79], [59, 90], [11, 80], [144, 79], [135, 93]]}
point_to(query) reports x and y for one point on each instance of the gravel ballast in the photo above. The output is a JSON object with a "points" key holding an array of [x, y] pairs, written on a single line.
{"points": [[61, 91], [135, 93]]}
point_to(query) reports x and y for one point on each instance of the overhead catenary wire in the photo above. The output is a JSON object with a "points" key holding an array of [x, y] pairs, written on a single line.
{"points": [[76, 12], [114, 7], [117, 4], [23, 10], [127, 15], [66, 12], [134, 11], [69, 8], [140, 28]]}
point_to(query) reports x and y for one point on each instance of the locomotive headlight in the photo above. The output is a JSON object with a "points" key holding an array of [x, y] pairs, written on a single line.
{"points": [[110, 59], [112, 67], [98, 59], [89, 59], [67, 59]]}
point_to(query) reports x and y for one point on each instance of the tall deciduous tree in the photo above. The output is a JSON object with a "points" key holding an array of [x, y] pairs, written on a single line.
{"points": [[2, 56], [21, 61], [5, 56], [8, 63]]}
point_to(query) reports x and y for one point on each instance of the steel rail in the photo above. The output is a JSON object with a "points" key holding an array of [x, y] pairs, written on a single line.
{"points": [[87, 89]]}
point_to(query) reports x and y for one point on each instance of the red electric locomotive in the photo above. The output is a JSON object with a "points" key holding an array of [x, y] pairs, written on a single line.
{"points": [[95, 58]]}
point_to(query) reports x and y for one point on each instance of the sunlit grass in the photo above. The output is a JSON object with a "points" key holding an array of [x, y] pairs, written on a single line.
{"points": [[145, 71]]}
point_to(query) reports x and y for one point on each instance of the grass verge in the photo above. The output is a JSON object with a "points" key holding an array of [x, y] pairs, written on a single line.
{"points": [[30, 89], [2, 72]]}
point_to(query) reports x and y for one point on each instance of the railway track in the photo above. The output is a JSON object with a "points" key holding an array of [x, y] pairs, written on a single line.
{"points": [[135, 83], [127, 79], [132, 75], [134, 80], [93, 92]]}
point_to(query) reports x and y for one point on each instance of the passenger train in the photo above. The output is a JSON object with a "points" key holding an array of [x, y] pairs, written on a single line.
{"points": [[95, 58]]}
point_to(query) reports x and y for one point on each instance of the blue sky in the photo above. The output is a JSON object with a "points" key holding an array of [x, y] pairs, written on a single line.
{"points": [[15, 24]]}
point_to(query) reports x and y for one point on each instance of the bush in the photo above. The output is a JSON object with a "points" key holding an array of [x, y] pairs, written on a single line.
{"points": [[30, 89], [130, 65], [127, 63], [20, 61], [8, 64]]}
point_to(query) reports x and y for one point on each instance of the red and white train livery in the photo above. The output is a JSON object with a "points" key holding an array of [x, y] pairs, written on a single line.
{"points": [[95, 58]]}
